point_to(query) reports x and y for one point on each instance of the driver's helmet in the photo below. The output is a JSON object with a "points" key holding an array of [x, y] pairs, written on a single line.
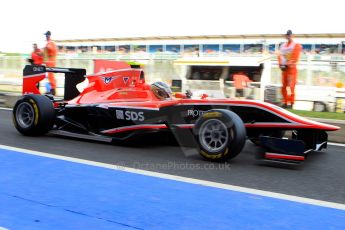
{"points": [[161, 90]]}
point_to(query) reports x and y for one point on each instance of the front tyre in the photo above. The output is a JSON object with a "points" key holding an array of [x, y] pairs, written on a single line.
{"points": [[33, 115], [220, 134]]}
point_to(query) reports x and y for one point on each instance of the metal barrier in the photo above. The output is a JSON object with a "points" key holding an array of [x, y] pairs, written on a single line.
{"points": [[314, 70]]}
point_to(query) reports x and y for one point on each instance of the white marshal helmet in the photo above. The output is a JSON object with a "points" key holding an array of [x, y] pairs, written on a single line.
{"points": [[161, 90]]}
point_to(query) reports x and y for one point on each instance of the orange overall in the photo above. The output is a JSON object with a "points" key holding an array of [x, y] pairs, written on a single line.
{"points": [[240, 82], [50, 52], [36, 57], [288, 56]]}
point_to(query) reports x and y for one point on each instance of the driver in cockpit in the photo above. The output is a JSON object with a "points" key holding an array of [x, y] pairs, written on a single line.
{"points": [[163, 92]]}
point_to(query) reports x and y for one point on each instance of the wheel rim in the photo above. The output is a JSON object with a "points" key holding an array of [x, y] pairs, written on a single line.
{"points": [[25, 115], [213, 135]]}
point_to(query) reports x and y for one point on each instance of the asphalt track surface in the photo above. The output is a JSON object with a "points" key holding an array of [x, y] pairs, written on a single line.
{"points": [[322, 177]]}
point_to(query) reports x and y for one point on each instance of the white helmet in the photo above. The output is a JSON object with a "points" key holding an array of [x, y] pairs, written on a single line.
{"points": [[161, 90]]}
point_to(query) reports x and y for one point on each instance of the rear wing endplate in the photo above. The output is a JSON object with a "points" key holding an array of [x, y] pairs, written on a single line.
{"points": [[33, 74]]}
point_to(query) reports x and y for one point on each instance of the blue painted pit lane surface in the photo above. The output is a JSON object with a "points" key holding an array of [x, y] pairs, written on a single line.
{"points": [[44, 193]]}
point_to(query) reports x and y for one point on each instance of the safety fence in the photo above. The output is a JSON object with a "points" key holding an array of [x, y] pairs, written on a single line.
{"points": [[313, 70]]}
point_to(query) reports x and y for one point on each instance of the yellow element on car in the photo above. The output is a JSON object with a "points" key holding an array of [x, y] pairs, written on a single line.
{"points": [[36, 110], [214, 156], [212, 115]]}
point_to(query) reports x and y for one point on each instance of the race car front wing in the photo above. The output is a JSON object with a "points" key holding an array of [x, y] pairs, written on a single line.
{"points": [[294, 150]]}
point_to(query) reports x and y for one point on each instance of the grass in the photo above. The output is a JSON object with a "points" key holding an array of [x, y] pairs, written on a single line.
{"points": [[11, 54], [324, 115]]}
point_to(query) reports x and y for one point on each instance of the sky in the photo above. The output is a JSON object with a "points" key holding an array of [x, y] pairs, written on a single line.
{"points": [[24, 22]]}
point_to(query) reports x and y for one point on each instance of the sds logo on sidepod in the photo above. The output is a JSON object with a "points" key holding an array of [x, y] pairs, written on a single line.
{"points": [[130, 115]]}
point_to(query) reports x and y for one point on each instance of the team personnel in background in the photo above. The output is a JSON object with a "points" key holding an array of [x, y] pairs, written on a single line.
{"points": [[241, 81], [289, 54], [36, 56], [50, 53]]}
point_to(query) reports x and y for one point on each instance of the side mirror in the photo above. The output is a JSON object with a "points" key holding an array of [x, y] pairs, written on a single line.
{"points": [[189, 93]]}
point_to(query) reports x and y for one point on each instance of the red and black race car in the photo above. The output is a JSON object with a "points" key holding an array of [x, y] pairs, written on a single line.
{"points": [[118, 105]]}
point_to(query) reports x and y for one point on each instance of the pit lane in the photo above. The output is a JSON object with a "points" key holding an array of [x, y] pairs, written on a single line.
{"points": [[321, 177]]}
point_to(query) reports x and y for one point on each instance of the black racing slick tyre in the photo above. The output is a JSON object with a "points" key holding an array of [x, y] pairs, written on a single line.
{"points": [[220, 134], [33, 115]]}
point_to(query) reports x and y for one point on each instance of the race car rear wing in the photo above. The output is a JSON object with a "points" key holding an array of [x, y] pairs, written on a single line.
{"points": [[33, 74]]}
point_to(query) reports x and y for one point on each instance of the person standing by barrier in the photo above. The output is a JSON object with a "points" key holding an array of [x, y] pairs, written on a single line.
{"points": [[50, 53], [36, 56], [241, 81], [289, 54]]}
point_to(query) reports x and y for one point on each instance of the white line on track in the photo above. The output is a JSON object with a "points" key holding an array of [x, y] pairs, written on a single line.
{"points": [[184, 179], [2, 108], [336, 144]]}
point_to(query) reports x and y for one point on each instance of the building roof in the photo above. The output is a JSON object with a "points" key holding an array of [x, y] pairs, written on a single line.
{"points": [[204, 37]]}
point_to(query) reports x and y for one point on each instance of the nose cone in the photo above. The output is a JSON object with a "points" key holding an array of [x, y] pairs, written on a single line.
{"points": [[326, 127], [330, 127]]}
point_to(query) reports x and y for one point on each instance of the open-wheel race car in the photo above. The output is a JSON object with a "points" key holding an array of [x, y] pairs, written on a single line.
{"points": [[118, 105]]}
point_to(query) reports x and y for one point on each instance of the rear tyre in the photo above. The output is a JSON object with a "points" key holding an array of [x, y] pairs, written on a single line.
{"points": [[220, 134], [33, 115]]}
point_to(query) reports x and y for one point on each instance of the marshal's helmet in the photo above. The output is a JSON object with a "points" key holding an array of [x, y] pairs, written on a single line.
{"points": [[161, 90]]}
